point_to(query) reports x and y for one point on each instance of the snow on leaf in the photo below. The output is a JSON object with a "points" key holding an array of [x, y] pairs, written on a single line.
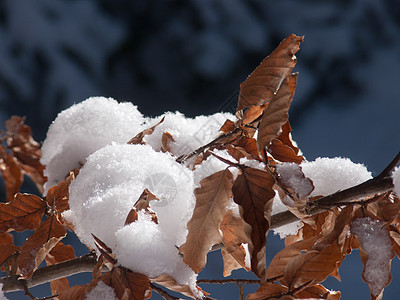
{"points": [[265, 80], [39, 244], [276, 114], [269, 290], [24, 212], [211, 201], [253, 192], [11, 173], [376, 252], [138, 139]]}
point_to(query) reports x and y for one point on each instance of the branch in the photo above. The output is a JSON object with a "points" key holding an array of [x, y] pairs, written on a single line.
{"points": [[82, 264], [225, 281], [366, 189]]}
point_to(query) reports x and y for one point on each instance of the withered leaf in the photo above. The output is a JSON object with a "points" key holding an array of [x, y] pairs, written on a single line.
{"points": [[235, 233], [318, 292], [39, 244], [268, 290], [138, 139], [106, 252], [25, 149], [170, 283], [276, 114], [253, 191], [228, 126], [57, 196], [166, 139], [265, 80], [11, 173], [126, 283], [211, 201], [312, 266], [283, 152], [276, 268], [233, 261], [249, 145], [24, 212], [6, 251], [143, 203], [253, 113]]}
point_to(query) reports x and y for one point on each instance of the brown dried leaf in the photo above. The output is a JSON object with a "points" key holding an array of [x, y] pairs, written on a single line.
{"points": [[231, 261], [249, 145], [283, 152], [265, 80], [143, 203], [318, 292], [24, 212], [138, 139], [39, 244], [211, 201], [312, 267], [235, 233], [228, 126], [126, 283], [269, 290], [25, 149], [166, 139], [106, 252], [170, 283], [57, 196], [276, 268], [276, 114], [253, 192], [6, 251], [11, 173]]}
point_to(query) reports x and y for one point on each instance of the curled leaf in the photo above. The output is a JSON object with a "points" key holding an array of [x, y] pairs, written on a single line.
{"points": [[265, 80]]}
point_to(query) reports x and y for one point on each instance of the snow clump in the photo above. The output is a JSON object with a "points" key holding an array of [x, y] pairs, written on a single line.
{"points": [[101, 291], [375, 240]]}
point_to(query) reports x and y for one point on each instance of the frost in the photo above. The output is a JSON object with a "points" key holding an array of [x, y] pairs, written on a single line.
{"points": [[101, 291], [330, 175], [376, 242], [396, 181], [84, 128]]}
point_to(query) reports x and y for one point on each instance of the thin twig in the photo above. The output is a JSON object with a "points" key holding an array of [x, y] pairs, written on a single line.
{"points": [[162, 293], [390, 167], [225, 281]]}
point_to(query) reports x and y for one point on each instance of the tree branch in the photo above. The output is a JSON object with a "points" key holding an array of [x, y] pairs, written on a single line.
{"points": [[82, 264]]}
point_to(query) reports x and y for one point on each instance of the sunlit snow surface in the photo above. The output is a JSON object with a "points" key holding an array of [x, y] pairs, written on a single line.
{"points": [[101, 291]]}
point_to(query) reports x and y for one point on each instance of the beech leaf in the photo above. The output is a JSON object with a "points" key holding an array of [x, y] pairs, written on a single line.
{"points": [[57, 196], [276, 114], [138, 139], [268, 290], [11, 173], [24, 212], [265, 80], [39, 244], [170, 283], [253, 192], [211, 200], [166, 139], [143, 203]]}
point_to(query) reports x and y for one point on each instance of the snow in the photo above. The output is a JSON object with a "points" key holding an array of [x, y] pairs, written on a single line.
{"points": [[396, 181], [375, 240], [84, 128], [101, 291], [330, 175], [293, 178]]}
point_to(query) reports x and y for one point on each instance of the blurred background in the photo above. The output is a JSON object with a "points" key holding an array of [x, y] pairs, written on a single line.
{"points": [[192, 56]]}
